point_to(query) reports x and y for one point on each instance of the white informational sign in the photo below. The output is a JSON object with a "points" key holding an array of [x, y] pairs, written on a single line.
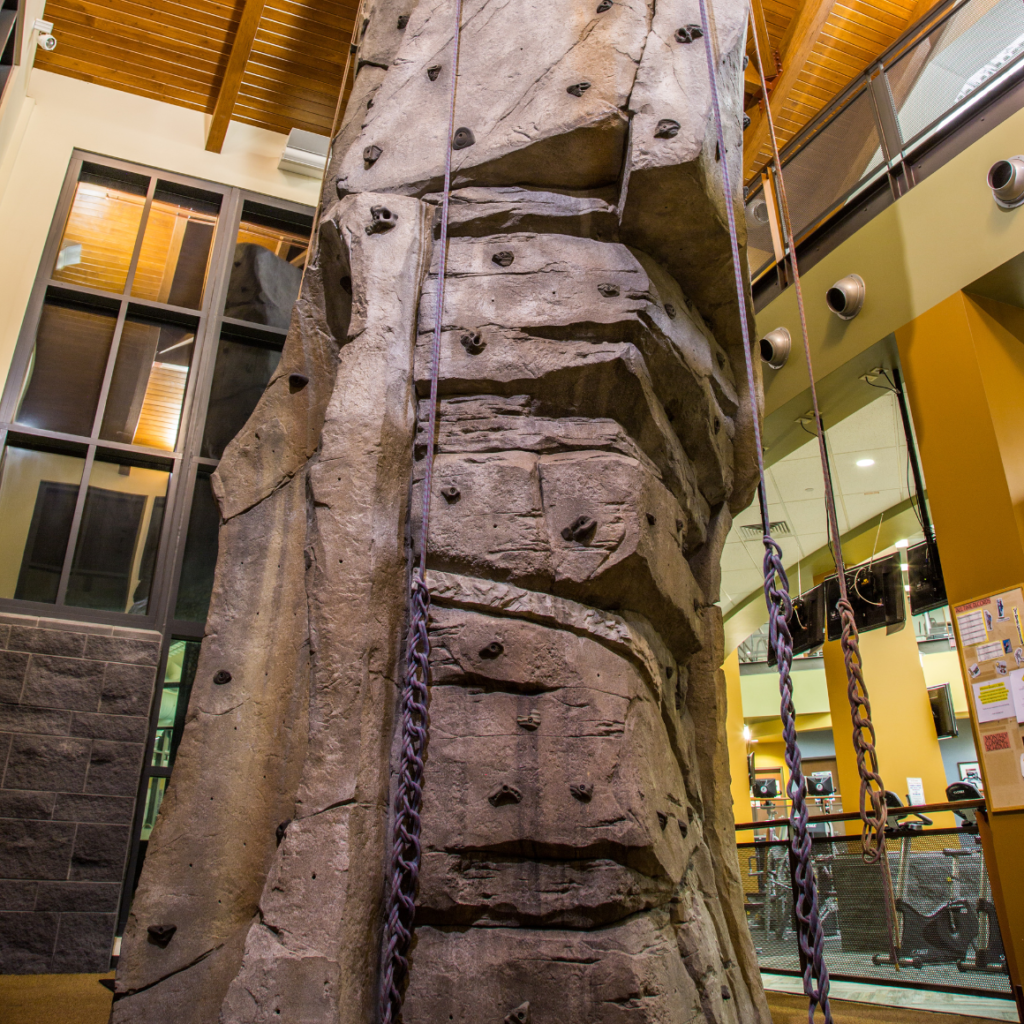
{"points": [[993, 700], [915, 791], [972, 628], [1016, 681]]}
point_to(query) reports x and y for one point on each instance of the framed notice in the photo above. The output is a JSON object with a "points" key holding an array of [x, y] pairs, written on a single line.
{"points": [[991, 644]]}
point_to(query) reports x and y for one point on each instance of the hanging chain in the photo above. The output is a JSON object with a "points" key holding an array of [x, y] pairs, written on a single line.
{"points": [[810, 933], [405, 840]]}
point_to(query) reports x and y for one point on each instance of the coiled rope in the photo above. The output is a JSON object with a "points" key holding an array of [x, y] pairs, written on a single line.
{"points": [[405, 839]]}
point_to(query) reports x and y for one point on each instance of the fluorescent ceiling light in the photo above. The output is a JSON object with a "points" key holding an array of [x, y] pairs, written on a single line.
{"points": [[904, 566], [903, 543], [864, 463]]}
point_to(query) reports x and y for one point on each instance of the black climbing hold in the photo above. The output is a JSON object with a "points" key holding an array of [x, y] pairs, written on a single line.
{"points": [[669, 671], [688, 33], [609, 291], [520, 1015], [650, 519], [366, 25], [667, 129], [346, 283], [683, 827], [579, 529], [433, 71], [462, 139], [718, 153], [473, 344], [746, 61], [726, 994], [297, 380], [369, 103], [451, 493], [746, 122], [222, 676], [353, 49], [503, 258], [604, 5], [492, 650], [505, 794], [671, 310], [718, 424], [403, 20], [371, 154], [578, 89], [662, 820], [281, 829], [583, 791], [161, 934], [383, 220]]}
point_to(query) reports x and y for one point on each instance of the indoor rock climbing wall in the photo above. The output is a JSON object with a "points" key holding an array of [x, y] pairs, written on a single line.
{"points": [[594, 440]]}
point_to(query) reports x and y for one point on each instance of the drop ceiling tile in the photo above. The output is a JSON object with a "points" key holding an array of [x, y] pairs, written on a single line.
{"points": [[875, 426]]}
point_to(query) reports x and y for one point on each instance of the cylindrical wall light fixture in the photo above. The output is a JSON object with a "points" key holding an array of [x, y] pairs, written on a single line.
{"points": [[1006, 179], [775, 346], [846, 297]]}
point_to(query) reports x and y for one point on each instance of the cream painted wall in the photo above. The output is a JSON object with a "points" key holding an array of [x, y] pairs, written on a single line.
{"points": [[761, 692], [944, 667], [61, 114]]}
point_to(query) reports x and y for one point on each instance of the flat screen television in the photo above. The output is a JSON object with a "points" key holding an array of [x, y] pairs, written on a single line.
{"points": [[766, 789], [820, 784], [875, 590], [941, 700], [806, 624], [927, 588]]}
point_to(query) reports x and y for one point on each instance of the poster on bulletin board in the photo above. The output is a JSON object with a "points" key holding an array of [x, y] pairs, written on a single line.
{"points": [[992, 647]]}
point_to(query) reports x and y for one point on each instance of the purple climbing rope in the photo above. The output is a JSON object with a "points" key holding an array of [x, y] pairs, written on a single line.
{"points": [[780, 607], [405, 839]]}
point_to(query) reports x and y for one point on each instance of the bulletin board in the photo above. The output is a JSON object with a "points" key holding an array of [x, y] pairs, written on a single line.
{"points": [[990, 638]]}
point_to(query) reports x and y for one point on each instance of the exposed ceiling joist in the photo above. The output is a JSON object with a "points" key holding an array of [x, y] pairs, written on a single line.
{"points": [[238, 58]]}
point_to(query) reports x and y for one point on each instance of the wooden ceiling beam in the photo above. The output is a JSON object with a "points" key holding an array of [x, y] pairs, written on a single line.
{"points": [[238, 57], [795, 51]]}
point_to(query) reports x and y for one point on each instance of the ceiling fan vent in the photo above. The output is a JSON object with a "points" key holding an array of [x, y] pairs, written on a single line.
{"points": [[752, 531]]}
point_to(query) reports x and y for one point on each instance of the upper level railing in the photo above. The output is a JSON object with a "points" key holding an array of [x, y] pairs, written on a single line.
{"points": [[926, 83]]}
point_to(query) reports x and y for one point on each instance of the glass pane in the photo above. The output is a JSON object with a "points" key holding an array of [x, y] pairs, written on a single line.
{"points": [[154, 797], [182, 659], [117, 541], [65, 376], [99, 237], [38, 491], [241, 375], [200, 556], [175, 254], [147, 388], [266, 273]]}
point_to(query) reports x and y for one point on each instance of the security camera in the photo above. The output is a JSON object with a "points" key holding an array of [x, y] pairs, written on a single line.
{"points": [[846, 297], [45, 38], [775, 346], [1006, 179]]}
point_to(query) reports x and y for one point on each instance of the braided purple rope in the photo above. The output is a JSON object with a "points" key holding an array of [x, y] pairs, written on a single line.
{"points": [[405, 840], [810, 934], [780, 607]]}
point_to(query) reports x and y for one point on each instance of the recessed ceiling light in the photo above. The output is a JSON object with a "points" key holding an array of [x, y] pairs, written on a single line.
{"points": [[864, 463], [903, 543]]}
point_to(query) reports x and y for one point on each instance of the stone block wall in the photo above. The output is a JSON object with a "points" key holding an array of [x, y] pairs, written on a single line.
{"points": [[74, 711]]}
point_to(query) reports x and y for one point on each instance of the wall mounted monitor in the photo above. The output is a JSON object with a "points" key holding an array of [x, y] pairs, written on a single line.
{"points": [[941, 700], [806, 624], [875, 590], [927, 588], [820, 784], [766, 789]]}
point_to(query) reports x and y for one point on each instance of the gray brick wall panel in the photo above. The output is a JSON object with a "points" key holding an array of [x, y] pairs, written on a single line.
{"points": [[85, 807], [129, 652], [126, 728], [18, 895], [13, 667], [47, 641], [83, 943], [72, 683], [47, 762], [35, 849], [27, 941], [77, 897], [114, 768], [22, 718], [127, 690], [99, 853], [18, 804]]}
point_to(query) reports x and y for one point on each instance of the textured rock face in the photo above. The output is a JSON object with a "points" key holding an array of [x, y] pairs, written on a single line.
{"points": [[594, 438]]}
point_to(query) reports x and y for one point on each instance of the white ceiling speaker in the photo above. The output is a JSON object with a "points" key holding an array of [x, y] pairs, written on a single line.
{"points": [[846, 297], [1006, 179], [305, 153], [775, 346]]}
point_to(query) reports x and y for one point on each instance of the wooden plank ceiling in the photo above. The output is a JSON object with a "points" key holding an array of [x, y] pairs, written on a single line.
{"points": [[278, 64], [818, 47], [283, 74]]}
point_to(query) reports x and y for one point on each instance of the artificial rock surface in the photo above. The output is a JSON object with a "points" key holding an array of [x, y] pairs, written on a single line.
{"points": [[593, 441]]}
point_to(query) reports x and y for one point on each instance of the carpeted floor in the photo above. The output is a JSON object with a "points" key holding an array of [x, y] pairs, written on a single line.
{"points": [[82, 999]]}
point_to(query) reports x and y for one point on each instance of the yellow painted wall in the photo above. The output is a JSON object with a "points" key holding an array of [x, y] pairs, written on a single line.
{"points": [[737, 745], [944, 667], [58, 114], [906, 741]]}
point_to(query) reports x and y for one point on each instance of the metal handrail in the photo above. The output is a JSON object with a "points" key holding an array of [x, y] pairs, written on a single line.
{"points": [[955, 805]]}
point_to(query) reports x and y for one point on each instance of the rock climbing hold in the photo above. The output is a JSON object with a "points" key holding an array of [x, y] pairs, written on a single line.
{"points": [[683, 827], [371, 154], [433, 71], [583, 791], [667, 129], [604, 5], [718, 424], [688, 33], [451, 493], [297, 381], [161, 934], [281, 829], [403, 20], [530, 721], [505, 794], [671, 310], [346, 283], [503, 258], [473, 344], [492, 650], [383, 220], [609, 291], [746, 122], [462, 139], [726, 994], [520, 1015], [662, 820], [222, 676], [720, 356], [579, 529], [650, 519], [578, 89]]}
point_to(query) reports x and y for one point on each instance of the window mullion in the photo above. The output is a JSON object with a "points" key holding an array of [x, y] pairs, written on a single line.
{"points": [[76, 522]]}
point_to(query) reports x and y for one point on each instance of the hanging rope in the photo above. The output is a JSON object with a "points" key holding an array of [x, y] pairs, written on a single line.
{"points": [[405, 840], [776, 590]]}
